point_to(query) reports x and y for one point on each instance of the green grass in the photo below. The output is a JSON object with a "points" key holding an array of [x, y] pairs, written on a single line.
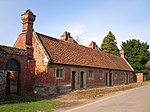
{"points": [[147, 81], [33, 106]]}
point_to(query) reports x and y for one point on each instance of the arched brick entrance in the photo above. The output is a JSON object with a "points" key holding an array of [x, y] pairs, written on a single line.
{"points": [[12, 78]]}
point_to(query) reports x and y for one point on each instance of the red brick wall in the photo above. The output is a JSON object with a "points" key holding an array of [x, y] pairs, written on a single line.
{"points": [[49, 81], [21, 41], [139, 77], [46, 82], [40, 67], [23, 69]]}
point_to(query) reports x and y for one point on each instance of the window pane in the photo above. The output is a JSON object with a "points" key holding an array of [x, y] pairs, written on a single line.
{"points": [[61, 73], [101, 76], [90, 75], [57, 73]]}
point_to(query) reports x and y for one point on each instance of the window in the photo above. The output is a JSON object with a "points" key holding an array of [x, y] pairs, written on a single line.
{"points": [[59, 73], [101, 75], [91, 75]]}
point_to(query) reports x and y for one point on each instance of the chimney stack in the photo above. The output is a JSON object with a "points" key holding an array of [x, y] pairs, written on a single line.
{"points": [[93, 45], [122, 53], [27, 25], [24, 40], [64, 36], [27, 31]]}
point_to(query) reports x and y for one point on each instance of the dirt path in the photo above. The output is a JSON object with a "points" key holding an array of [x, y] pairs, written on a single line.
{"points": [[83, 97]]}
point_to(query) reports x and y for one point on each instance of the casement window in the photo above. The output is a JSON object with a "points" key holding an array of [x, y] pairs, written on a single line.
{"points": [[59, 73], [91, 74], [101, 75]]}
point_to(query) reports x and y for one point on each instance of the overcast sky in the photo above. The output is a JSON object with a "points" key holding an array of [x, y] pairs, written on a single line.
{"points": [[90, 20]]}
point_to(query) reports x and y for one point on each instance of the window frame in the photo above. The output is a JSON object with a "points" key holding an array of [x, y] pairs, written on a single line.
{"points": [[91, 74], [61, 73], [101, 76]]}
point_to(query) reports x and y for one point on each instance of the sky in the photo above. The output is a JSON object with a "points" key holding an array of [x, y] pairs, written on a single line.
{"points": [[87, 20]]}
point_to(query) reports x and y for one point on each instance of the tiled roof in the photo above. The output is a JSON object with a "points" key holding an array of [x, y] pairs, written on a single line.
{"points": [[62, 52], [12, 50]]}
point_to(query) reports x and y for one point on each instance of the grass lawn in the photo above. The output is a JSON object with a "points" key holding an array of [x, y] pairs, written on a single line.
{"points": [[33, 106], [147, 81]]}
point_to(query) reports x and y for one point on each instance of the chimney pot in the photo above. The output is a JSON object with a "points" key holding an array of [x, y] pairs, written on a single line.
{"points": [[28, 18], [122, 55]]}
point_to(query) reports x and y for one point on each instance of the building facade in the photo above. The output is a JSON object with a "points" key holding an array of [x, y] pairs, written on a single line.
{"points": [[61, 65]]}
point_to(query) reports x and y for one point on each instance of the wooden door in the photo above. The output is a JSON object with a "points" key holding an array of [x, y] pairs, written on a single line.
{"points": [[81, 79], [73, 80]]}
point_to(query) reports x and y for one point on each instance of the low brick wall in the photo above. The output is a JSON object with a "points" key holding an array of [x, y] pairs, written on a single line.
{"points": [[139, 77]]}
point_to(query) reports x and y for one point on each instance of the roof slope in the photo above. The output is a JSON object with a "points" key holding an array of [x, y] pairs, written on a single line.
{"points": [[62, 52], [12, 50]]}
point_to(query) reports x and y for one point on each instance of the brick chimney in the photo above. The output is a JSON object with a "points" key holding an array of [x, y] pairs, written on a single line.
{"points": [[27, 25], [64, 36], [67, 37], [122, 53], [27, 31], [93, 45]]}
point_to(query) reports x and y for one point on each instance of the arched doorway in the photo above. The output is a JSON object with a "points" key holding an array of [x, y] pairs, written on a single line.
{"points": [[12, 79]]}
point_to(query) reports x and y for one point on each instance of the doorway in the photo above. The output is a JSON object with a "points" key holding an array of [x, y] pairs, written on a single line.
{"points": [[126, 78], [109, 79], [12, 78], [73, 80], [81, 79]]}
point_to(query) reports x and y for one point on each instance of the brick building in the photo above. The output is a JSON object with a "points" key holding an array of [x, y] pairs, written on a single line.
{"points": [[53, 65], [13, 71]]}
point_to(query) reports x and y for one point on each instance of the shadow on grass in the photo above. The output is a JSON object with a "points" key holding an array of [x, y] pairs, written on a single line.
{"points": [[13, 99]]}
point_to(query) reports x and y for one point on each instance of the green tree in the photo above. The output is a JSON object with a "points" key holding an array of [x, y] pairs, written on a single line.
{"points": [[147, 65], [137, 54], [109, 44]]}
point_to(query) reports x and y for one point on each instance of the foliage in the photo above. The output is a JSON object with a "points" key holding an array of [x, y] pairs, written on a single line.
{"points": [[137, 54], [147, 65], [109, 44], [34, 106]]}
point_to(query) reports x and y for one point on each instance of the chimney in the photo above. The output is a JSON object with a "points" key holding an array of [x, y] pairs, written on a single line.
{"points": [[64, 36], [27, 25], [27, 31], [67, 37], [93, 45], [122, 53]]}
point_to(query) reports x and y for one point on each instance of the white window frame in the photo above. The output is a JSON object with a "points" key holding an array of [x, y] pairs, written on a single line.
{"points": [[91, 74], [60, 76], [101, 75]]}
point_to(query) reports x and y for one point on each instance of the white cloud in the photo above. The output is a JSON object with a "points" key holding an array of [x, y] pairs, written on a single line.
{"points": [[76, 30]]}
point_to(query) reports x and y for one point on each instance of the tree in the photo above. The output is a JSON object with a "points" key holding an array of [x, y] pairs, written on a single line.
{"points": [[109, 44], [137, 54], [147, 65]]}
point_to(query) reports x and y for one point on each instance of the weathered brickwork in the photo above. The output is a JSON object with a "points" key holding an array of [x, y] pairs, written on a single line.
{"points": [[5, 56], [139, 77], [47, 83], [20, 42], [49, 66]]}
